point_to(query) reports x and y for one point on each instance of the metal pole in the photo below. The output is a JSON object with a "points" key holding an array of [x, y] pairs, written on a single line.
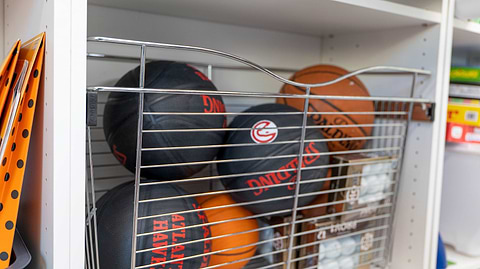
{"points": [[399, 167], [210, 72], [138, 161], [94, 206], [299, 176]]}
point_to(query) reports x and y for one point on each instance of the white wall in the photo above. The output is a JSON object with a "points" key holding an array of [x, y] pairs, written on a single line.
{"points": [[53, 192]]}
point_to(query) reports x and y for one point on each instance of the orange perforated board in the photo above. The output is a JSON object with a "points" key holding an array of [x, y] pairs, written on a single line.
{"points": [[12, 167]]}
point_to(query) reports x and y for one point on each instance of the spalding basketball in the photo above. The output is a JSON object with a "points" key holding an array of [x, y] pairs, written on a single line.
{"points": [[348, 87], [275, 161], [115, 220], [241, 226], [166, 129]]}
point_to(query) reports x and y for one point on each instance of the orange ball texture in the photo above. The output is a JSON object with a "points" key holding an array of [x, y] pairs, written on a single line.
{"points": [[225, 228], [351, 86]]}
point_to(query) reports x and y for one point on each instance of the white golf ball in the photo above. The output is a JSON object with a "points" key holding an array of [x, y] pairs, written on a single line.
{"points": [[330, 264], [348, 246], [346, 263], [357, 239], [364, 185], [321, 252], [367, 169], [384, 179], [386, 167], [377, 167], [375, 185], [333, 249]]}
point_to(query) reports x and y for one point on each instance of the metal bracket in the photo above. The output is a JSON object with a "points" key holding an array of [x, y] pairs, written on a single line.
{"points": [[423, 112], [92, 98]]}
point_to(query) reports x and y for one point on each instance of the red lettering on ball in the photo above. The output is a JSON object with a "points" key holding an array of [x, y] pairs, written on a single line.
{"points": [[212, 105], [270, 179]]}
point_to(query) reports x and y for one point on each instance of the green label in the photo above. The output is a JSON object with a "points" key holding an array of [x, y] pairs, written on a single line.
{"points": [[465, 75]]}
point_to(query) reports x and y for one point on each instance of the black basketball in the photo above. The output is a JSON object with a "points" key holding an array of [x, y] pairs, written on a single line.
{"points": [[121, 118], [267, 135], [115, 219]]}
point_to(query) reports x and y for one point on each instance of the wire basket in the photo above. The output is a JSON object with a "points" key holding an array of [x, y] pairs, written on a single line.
{"points": [[347, 226]]}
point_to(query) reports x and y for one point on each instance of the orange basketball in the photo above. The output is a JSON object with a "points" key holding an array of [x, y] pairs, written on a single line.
{"points": [[231, 227], [348, 87]]}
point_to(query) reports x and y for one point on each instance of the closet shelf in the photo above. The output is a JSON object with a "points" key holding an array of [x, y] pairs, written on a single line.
{"points": [[466, 34], [309, 17]]}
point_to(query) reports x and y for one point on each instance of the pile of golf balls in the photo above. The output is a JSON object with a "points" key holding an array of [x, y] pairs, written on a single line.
{"points": [[339, 253], [376, 181]]}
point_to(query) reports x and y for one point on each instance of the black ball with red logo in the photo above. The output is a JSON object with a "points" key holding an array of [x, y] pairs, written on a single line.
{"points": [[168, 126], [115, 222], [276, 139]]}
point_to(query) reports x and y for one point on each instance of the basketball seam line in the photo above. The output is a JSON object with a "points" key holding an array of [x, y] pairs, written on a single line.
{"points": [[353, 79], [335, 107]]}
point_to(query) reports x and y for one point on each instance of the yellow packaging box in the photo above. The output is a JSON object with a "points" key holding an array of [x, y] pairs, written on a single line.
{"points": [[464, 111]]}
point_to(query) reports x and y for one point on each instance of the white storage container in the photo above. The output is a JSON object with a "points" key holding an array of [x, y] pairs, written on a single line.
{"points": [[467, 9], [459, 218]]}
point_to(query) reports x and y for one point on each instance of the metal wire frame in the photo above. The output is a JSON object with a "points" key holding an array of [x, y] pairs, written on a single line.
{"points": [[361, 264], [402, 153], [258, 243], [336, 238], [256, 216], [243, 203], [92, 258], [242, 174], [316, 254], [255, 173], [224, 176], [140, 201], [138, 159], [259, 94], [272, 157], [122, 58], [279, 128], [283, 250], [194, 195], [284, 224], [274, 143], [264, 241], [270, 113], [397, 143], [255, 244]]}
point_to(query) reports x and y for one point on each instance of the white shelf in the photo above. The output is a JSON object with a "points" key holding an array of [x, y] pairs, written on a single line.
{"points": [[464, 91], [466, 34], [465, 148], [311, 17], [461, 261]]}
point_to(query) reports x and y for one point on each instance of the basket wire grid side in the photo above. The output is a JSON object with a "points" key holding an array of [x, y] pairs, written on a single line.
{"points": [[138, 159], [299, 176], [393, 115], [91, 238]]}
